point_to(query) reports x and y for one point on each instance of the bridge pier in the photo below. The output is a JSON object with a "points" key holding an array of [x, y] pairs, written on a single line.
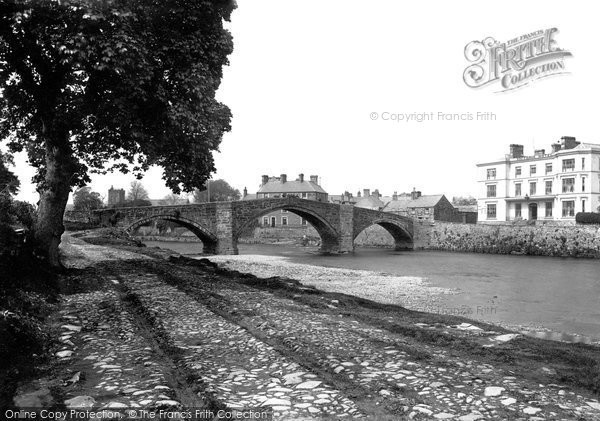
{"points": [[226, 243]]}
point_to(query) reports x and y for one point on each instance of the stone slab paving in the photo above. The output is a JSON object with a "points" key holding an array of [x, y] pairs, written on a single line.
{"points": [[111, 366], [432, 385], [241, 370]]}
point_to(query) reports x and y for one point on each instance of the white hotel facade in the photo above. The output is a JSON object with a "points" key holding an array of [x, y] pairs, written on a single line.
{"points": [[550, 186]]}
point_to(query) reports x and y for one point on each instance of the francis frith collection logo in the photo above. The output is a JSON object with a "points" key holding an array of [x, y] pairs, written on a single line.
{"points": [[514, 63]]}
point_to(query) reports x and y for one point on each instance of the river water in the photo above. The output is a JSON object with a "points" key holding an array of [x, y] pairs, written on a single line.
{"points": [[549, 297]]}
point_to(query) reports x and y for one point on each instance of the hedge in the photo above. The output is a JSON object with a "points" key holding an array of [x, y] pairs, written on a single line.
{"points": [[587, 218]]}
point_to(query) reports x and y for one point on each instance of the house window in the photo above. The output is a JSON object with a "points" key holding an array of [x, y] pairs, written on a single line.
{"points": [[568, 164], [583, 185], [265, 221], [568, 185], [517, 210], [304, 221], [568, 208], [532, 170], [582, 205], [491, 174], [304, 195], [548, 187], [491, 211], [518, 189], [532, 188], [548, 168], [284, 221], [548, 209], [517, 171], [491, 190], [273, 221]]}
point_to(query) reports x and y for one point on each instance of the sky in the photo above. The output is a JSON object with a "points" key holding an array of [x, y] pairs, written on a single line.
{"points": [[306, 77]]}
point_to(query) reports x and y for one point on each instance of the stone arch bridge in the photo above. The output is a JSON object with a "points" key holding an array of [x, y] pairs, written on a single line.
{"points": [[220, 224]]}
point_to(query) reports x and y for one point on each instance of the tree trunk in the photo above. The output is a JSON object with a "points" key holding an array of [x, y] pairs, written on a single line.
{"points": [[54, 194]]}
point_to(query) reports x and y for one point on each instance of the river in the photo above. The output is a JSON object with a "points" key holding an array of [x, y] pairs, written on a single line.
{"points": [[551, 298]]}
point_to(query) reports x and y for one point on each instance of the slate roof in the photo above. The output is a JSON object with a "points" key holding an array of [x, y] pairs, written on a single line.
{"points": [[290, 186], [369, 202], [250, 196], [403, 203]]}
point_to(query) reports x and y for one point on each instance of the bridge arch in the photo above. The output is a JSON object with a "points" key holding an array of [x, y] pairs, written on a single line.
{"points": [[403, 240], [209, 240], [329, 235]]}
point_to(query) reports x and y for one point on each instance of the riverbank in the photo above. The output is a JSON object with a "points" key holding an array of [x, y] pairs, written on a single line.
{"points": [[144, 328]]}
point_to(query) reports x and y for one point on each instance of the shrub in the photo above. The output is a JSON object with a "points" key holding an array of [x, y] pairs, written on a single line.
{"points": [[587, 218]]}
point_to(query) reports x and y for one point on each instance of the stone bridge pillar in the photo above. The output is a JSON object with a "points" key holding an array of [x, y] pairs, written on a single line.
{"points": [[224, 229], [346, 229]]}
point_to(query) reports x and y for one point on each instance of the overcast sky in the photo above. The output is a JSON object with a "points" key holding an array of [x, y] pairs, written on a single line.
{"points": [[306, 75]]}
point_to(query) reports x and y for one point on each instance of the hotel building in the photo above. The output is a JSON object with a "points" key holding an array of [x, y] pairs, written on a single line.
{"points": [[550, 186]]}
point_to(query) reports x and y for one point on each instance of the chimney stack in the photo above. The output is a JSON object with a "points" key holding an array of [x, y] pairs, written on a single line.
{"points": [[366, 192], [413, 194], [301, 177], [265, 180], [314, 179], [395, 196], [569, 142], [516, 151], [245, 192], [555, 147], [283, 178], [539, 152], [358, 194], [376, 193]]}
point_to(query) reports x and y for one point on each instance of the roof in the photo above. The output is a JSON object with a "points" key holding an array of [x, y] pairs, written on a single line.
{"points": [[249, 197], [290, 186], [369, 202], [466, 208], [425, 201]]}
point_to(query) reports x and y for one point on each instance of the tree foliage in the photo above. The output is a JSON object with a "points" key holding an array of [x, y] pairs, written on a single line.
{"points": [[92, 86], [84, 199], [137, 191], [216, 191], [464, 201]]}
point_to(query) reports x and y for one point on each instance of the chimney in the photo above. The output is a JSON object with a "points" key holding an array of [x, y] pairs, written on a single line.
{"points": [[245, 192], [366, 192], [555, 147], [301, 177], [413, 194], [418, 194], [539, 152], [265, 180], [568, 142], [283, 178], [358, 194], [376, 193], [395, 196], [314, 179], [516, 151]]}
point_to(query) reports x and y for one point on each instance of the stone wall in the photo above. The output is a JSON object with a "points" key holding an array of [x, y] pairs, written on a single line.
{"points": [[544, 240]]}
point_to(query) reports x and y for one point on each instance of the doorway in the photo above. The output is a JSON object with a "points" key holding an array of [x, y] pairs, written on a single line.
{"points": [[533, 208]]}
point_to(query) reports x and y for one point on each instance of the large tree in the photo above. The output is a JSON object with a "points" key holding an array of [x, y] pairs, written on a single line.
{"points": [[84, 199], [90, 86], [216, 191]]}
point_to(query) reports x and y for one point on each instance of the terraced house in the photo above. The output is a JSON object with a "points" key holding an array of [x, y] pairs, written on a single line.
{"points": [[551, 186]]}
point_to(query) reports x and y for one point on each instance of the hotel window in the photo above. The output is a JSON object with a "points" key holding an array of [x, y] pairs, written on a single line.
{"points": [[491, 174], [568, 164], [517, 171], [265, 221], [518, 189], [548, 187], [491, 190], [532, 188], [491, 211], [517, 210], [583, 184], [568, 208], [582, 164], [284, 220], [548, 209], [548, 168], [582, 205], [568, 185], [532, 170]]}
